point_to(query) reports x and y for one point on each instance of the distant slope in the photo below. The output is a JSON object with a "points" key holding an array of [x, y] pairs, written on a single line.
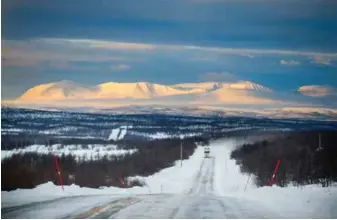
{"points": [[141, 90], [242, 92], [212, 86], [110, 90], [57, 91], [198, 87]]}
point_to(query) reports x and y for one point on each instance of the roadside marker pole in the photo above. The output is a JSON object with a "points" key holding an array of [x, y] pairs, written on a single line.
{"points": [[272, 180], [58, 171], [122, 181], [181, 153], [247, 182]]}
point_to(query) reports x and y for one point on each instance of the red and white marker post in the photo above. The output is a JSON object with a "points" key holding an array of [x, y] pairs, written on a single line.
{"points": [[58, 171], [272, 180], [122, 181]]}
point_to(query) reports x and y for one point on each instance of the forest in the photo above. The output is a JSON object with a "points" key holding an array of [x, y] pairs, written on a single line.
{"points": [[306, 157], [31, 169]]}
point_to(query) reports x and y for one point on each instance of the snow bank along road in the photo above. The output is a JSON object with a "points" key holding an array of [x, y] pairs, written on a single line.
{"points": [[215, 191]]}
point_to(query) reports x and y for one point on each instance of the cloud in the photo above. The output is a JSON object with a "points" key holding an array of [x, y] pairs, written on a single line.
{"points": [[35, 52], [100, 44], [114, 45], [222, 76], [290, 62], [30, 52], [318, 90], [62, 65], [251, 52], [19, 62], [248, 55], [321, 57], [322, 60], [235, 1], [120, 67], [208, 1]]}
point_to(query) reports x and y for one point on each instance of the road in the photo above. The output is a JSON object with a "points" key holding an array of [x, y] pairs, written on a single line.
{"points": [[199, 201]]}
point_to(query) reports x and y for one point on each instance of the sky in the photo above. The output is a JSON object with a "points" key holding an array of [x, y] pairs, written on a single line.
{"points": [[281, 44]]}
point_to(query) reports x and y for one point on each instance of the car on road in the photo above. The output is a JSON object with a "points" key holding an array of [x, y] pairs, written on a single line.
{"points": [[207, 152]]}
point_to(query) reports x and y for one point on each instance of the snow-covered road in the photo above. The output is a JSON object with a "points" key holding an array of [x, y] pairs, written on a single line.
{"points": [[216, 190]]}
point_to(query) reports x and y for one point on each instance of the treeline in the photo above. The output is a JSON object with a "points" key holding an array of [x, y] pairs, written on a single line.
{"points": [[11, 142], [31, 169], [303, 159]]}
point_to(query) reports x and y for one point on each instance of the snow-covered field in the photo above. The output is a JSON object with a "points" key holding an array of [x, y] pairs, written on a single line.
{"points": [[118, 133], [198, 183], [91, 151], [164, 135]]}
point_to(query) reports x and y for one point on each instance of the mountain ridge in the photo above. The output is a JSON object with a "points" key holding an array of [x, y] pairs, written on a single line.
{"points": [[240, 94], [139, 90]]}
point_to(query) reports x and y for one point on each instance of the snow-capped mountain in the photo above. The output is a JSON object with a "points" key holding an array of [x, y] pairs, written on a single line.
{"points": [[58, 90], [246, 85], [242, 92], [64, 90], [110, 90], [243, 95], [212, 86], [198, 87], [141, 90]]}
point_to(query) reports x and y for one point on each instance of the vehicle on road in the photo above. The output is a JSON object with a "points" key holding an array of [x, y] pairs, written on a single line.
{"points": [[207, 151]]}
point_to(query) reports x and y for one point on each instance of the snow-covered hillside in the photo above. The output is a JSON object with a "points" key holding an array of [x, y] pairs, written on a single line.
{"points": [[111, 90], [118, 133], [139, 90], [211, 86], [247, 94], [57, 91], [68, 95]]}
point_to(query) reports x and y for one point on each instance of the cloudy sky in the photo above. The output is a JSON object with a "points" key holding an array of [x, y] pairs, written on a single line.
{"points": [[281, 44]]}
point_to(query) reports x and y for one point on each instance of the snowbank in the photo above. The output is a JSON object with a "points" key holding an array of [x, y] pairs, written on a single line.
{"points": [[311, 201], [49, 191], [174, 179]]}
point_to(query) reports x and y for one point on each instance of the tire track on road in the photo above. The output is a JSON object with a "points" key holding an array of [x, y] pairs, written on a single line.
{"points": [[105, 210], [197, 180], [201, 201], [199, 186]]}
